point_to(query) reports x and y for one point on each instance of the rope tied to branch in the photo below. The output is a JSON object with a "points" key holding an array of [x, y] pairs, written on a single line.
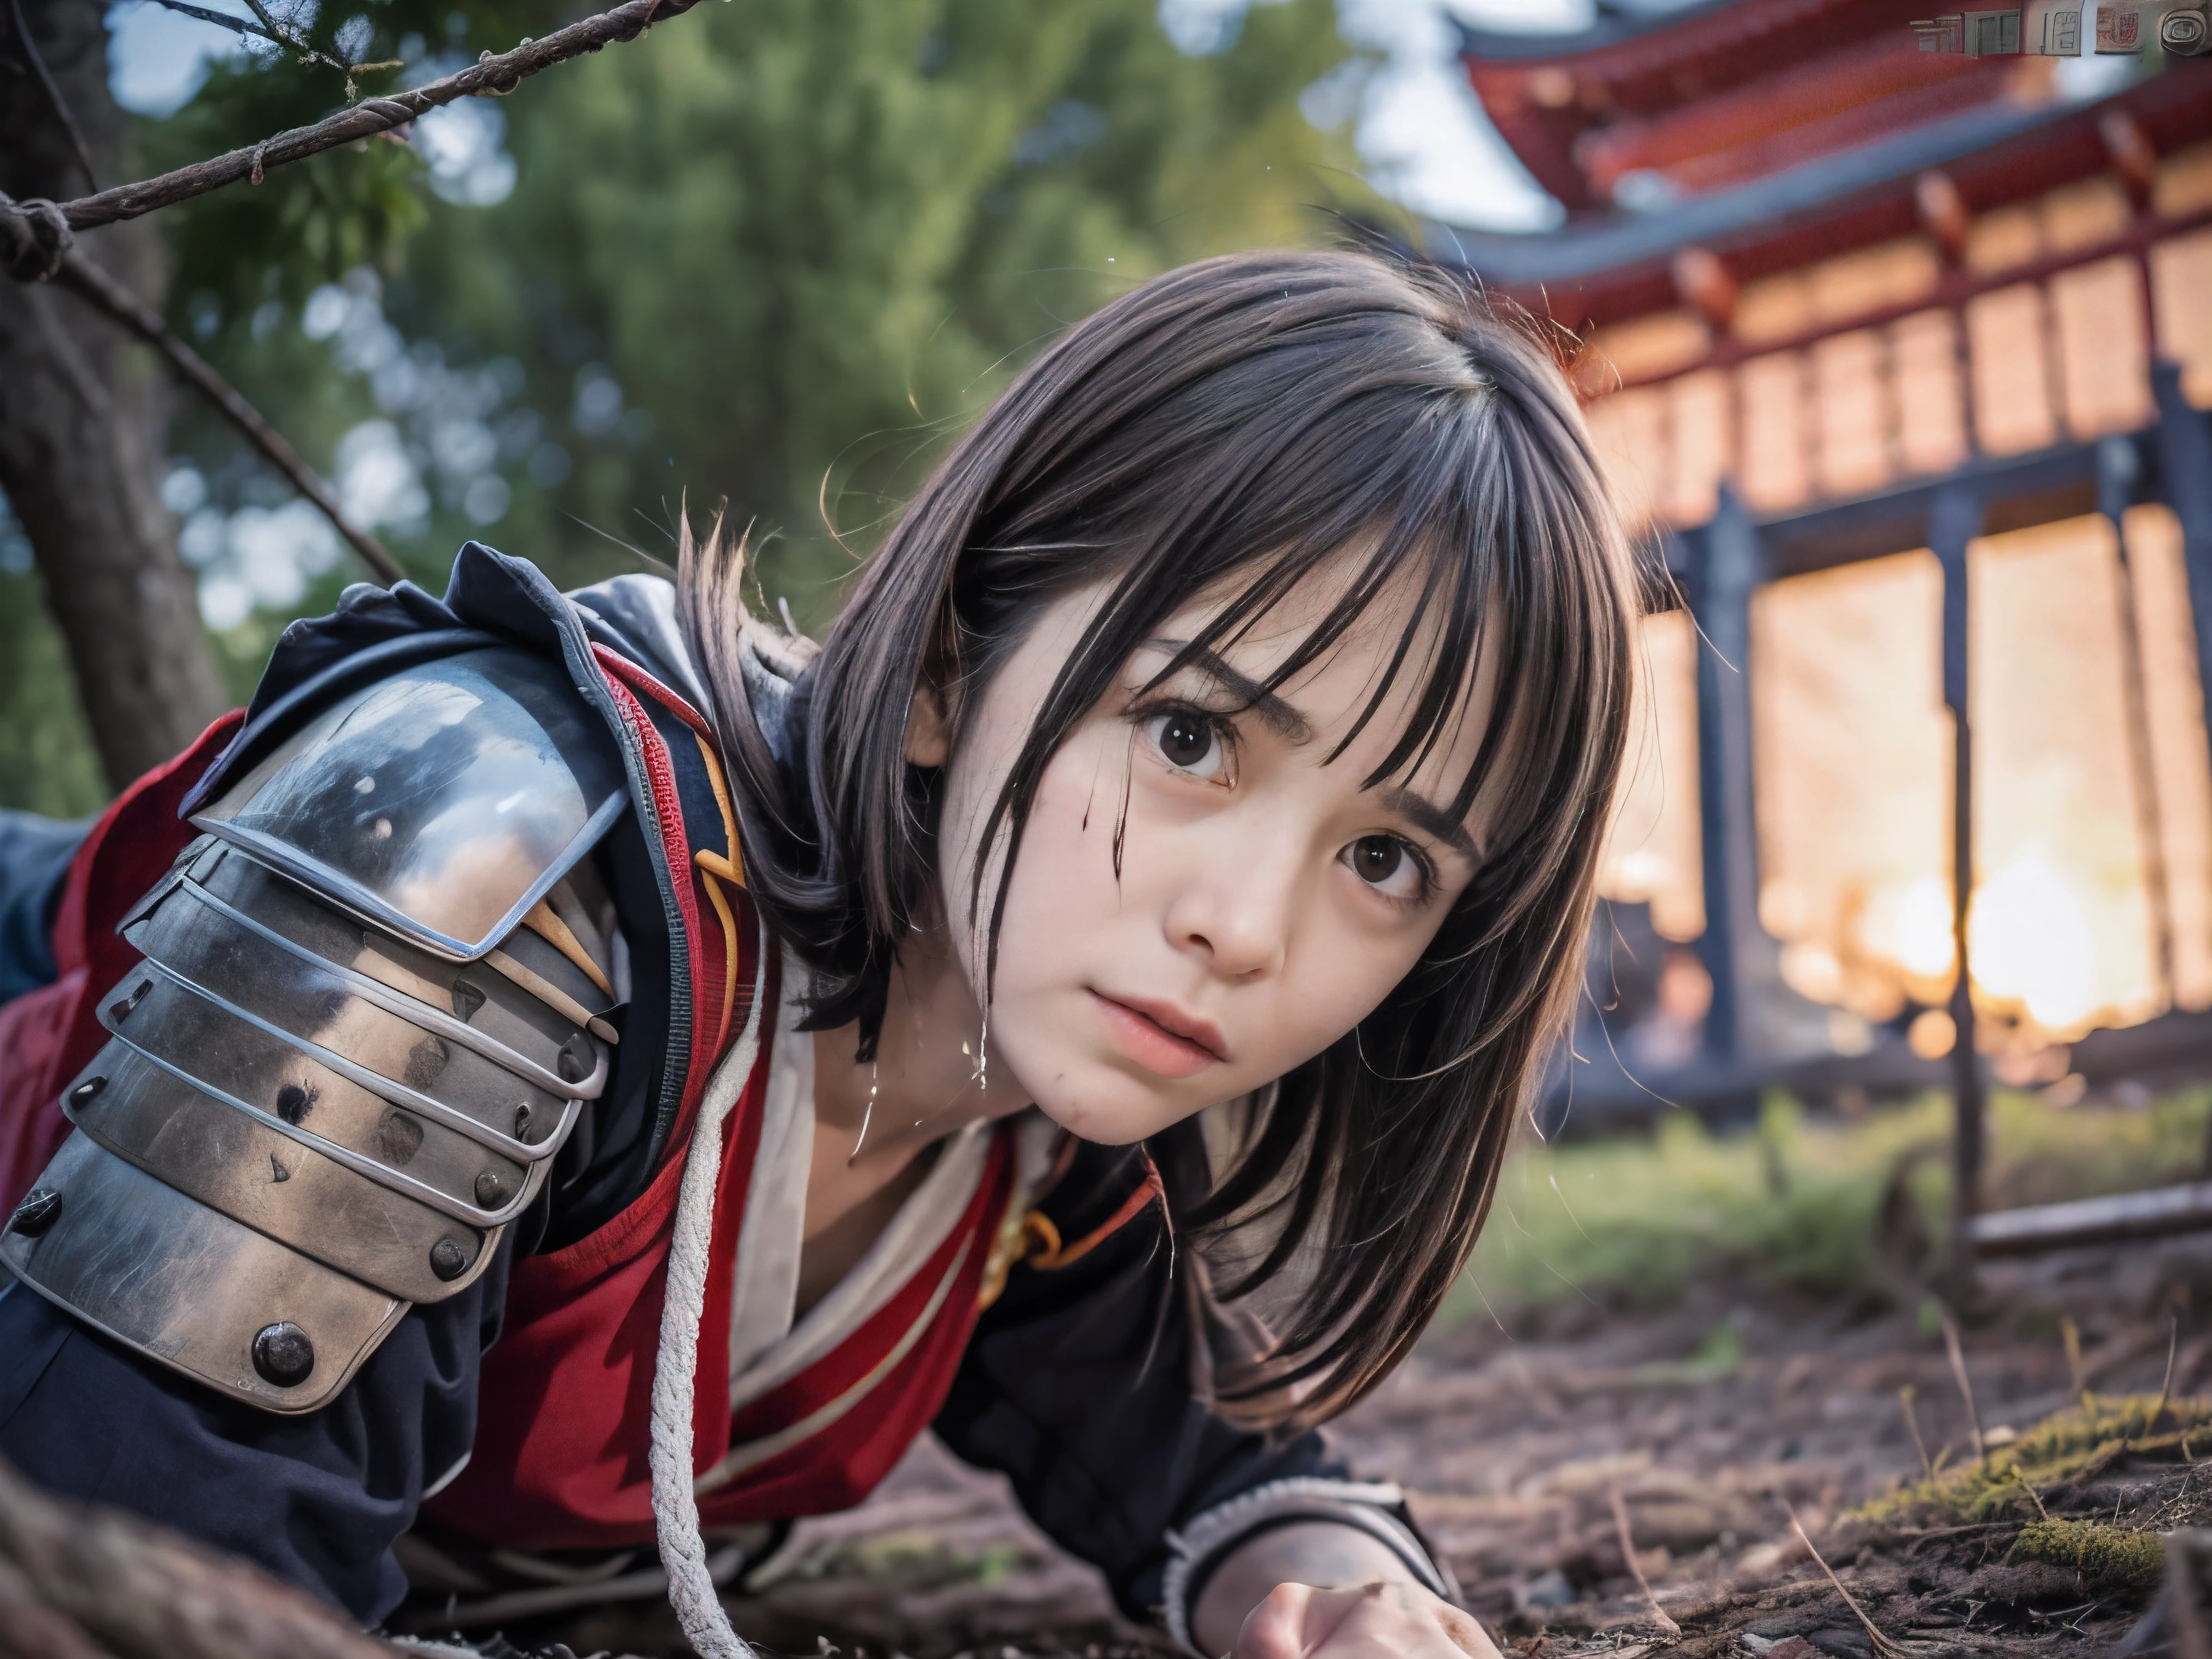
{"points": [[37, 238]]}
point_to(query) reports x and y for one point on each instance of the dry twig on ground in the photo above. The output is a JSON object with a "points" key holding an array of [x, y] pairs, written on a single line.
{"points": [[1958, 1357], [1636, 1567], [1883, 1646]]}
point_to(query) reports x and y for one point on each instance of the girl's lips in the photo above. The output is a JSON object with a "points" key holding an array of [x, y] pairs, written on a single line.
{"points": [[1147, 1040]]}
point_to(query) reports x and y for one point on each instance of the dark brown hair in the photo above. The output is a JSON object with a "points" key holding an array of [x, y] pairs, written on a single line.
{"points": [[1224, 429]]}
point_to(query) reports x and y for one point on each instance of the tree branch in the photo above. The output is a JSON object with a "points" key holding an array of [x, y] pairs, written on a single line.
{"points": [[269, 28], [238, 25], [88, 281], [33, 234]]}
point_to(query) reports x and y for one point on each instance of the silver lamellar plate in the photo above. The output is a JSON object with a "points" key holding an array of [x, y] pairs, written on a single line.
{"points": [[421, 1146], [439, 803], [276, 1183], [310, 1116], [240, 962], [168, 1276]]}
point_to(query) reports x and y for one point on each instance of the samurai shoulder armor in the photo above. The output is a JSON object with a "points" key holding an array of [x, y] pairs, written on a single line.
{"points": [[375, 993]]}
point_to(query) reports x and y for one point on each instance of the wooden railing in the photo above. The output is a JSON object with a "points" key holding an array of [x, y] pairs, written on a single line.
{"points": [[1982, 362]]}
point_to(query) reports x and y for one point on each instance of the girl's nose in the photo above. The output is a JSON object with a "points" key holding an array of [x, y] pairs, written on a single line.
{"points": [[1236, 911]]}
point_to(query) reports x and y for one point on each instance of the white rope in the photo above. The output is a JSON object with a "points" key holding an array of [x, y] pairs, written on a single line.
{"points": [[675, 1505]]}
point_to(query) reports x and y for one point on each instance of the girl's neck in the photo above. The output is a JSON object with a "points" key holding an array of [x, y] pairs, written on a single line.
{"points": [[873, 1119], [929, 1077]]}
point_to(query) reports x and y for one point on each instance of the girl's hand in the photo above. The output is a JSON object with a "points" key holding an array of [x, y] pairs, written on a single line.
{"points": [[1267, 1600], [1371, 1621]]}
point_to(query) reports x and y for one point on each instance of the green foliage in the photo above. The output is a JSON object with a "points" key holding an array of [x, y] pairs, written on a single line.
{"points": [[810, 239], [1794, 1203], [47, 764], [807, 241], [312, 220]]}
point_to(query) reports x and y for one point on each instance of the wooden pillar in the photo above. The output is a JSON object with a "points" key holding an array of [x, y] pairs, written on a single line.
{"points": [[2184, 465], [1726, 573], [1954, 520], [2118, 470]]}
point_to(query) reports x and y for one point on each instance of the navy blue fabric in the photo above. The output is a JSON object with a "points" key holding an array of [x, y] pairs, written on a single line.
{"points": [[34, 861], [1076, 1386], [316, 1499]]}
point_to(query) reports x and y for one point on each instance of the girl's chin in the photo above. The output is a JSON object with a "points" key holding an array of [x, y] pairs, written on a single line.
{"points": [[1110, 1122]]}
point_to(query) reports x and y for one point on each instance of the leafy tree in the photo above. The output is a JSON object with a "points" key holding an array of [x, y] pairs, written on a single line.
{"points": [[777, 251]]}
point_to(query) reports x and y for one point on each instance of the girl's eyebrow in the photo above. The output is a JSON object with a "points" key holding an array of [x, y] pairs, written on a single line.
{"points": [[1285, 721], [1425, 815]]}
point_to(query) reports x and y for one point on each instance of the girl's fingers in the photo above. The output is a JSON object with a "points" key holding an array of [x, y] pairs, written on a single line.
{"points": [[1372, 1621]]}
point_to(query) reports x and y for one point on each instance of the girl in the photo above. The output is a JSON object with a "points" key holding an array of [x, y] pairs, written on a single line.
{"points": [[1082, 1007]]}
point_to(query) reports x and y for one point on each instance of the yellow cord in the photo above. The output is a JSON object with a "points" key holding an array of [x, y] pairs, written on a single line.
{"points": [[717, 870]]}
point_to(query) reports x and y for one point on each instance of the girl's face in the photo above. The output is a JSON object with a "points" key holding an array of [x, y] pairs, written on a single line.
{"points": [[1266, 903]]}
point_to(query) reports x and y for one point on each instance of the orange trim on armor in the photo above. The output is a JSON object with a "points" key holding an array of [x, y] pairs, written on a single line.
{"points": [[1038, 1226], [547, 925], [731, 869], [715, 869]]}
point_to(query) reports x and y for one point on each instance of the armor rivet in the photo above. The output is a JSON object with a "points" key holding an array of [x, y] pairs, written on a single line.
{"points": [[448, 1259], [41, 1207], [491, 1189], [575, 1060], [282, 1354], [522, 1124], [121, 1008], [83, 1093]]}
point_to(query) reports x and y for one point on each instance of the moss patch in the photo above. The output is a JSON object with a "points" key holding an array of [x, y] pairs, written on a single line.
{"points": [[2063, 1445], [2110, 1558]]}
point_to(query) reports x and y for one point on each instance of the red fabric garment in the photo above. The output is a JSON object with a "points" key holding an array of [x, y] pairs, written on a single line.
{"points": [[564, 1413], [877, 1398], [49, 1034]]}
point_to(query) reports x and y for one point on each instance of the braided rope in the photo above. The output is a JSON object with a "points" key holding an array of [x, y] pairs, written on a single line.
{"points": [[37, 238], [675, 1378]]}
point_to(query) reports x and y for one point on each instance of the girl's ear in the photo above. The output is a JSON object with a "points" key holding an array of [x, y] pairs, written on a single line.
{"points": [[928, 735]]}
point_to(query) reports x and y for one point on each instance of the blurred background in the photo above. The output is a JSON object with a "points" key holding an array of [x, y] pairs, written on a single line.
{"points": [[1896, 334]]}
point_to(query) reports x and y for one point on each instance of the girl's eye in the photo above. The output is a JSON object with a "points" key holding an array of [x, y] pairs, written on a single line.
{"points": [[1386, 864], [1190, 742]]}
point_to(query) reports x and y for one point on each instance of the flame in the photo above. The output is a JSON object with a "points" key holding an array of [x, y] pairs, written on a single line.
{"points": [[2029, 938], [1852, 764]]}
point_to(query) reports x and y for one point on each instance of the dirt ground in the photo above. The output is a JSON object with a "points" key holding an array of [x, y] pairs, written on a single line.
{"points": [[1714, 1421]]}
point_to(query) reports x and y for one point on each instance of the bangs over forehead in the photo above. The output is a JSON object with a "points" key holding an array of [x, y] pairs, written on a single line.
{"points": [[1345, 423]]}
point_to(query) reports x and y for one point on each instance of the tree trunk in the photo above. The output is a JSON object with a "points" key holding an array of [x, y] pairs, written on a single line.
{"points": [[81, 413]]}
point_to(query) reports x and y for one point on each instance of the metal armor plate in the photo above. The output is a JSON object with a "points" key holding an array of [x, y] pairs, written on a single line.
{"points": [[441, 803], [307, 1116]]}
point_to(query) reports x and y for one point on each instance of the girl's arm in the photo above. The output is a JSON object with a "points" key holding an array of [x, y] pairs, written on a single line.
{"points": [[1322, 1591], [1078, 1385]]}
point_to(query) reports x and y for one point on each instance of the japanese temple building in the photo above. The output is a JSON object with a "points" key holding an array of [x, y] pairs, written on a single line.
{"points": [[1901, 358]]}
